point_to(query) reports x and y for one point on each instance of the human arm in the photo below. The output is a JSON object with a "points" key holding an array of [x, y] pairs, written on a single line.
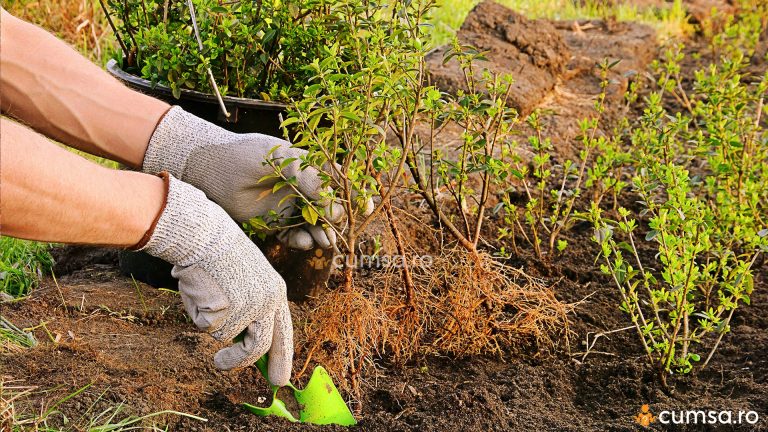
{"points": [[50, 194], [49, 86]]}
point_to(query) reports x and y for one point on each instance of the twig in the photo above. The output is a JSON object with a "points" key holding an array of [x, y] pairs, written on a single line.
{"points": [[114, 29], [598, 336], [207, 68]]}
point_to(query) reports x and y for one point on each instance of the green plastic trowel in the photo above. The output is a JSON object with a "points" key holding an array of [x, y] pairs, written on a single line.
{"points": [[320, 402]]}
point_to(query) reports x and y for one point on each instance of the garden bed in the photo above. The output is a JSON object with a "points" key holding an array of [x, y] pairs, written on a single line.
{"points": [[146, 354], [134, 345]]}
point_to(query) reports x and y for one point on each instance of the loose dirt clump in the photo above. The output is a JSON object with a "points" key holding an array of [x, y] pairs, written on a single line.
{"points": [[629, 47], [555, 65], [529, 49], [701, 11]]}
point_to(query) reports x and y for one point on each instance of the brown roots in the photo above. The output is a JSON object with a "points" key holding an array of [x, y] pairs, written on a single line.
{"points": [[463, 304], [344, 330]]}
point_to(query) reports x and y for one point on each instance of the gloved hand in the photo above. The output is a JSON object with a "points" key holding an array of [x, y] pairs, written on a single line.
{"points": [[228, 167], [225, 282]]}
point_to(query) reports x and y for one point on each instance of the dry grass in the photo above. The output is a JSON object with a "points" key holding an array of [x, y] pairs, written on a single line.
{"points": [[10, 394], [81, 23]]}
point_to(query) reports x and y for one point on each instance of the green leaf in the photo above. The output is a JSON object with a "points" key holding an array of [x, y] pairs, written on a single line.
{"points": [[289, 121], [279, 185], [309, 214], [267, 178], [286, 198], [258, 223], [350, 116], [287, 161]]}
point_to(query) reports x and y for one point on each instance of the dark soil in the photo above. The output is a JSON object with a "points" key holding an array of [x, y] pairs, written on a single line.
{"points": [[135, 345], [68, 259]]}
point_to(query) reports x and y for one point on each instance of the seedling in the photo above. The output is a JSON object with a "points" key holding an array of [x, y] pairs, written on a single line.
{"points": [[700, 177]]}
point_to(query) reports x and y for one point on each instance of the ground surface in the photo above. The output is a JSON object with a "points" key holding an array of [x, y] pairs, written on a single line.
{"points": [[135, 345], [149, 356]]}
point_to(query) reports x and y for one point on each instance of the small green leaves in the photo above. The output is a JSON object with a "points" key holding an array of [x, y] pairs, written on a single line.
{"points": [[309, 214], [706, 228], [254, 49]]}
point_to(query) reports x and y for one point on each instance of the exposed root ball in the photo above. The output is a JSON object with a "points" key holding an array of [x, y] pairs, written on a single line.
{"points": [[464, 304], [482, 306], [344, 331]]}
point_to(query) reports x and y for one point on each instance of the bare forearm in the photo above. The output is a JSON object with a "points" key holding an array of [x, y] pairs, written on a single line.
{"points": [[50, 194], [58, 92]]}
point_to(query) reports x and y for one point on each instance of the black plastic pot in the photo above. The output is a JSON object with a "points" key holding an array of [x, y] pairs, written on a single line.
{"points": [[305, 272], [246, 115]]}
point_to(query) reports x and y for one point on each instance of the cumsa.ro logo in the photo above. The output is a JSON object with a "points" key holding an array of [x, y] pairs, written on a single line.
{"points": [[688, 417], [644, 417]]}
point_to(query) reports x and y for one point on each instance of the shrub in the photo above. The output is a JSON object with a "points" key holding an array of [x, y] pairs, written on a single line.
{"points": [[459, 182], [254, 49], [362, 83], [702, 181], [361, 120], [552, 191]]}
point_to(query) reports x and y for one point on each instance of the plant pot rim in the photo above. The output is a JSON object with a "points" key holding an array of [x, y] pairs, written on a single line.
{"points": [[116, 71]]}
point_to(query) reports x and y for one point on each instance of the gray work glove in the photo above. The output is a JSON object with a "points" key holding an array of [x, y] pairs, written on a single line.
{"points": [[228, 167], [225, 282]]}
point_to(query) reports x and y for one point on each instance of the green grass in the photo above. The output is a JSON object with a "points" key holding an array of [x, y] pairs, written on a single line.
{"points": [[22, 264], [10, 334], [670, 22]]}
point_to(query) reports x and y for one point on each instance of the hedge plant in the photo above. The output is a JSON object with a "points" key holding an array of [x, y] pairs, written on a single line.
{"points": [[255, 49]]}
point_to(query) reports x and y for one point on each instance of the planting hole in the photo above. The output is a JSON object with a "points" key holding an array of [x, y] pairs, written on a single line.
{"points": [[293, 406]]}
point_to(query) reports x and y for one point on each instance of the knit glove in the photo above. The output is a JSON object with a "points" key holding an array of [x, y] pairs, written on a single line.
{"points": [[225, 282], [229, 168]]}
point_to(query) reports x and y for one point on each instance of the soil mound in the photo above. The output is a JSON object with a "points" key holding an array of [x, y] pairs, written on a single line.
{"points": [[629, 46], [555, 65], [700, 11], [531, 50]]}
